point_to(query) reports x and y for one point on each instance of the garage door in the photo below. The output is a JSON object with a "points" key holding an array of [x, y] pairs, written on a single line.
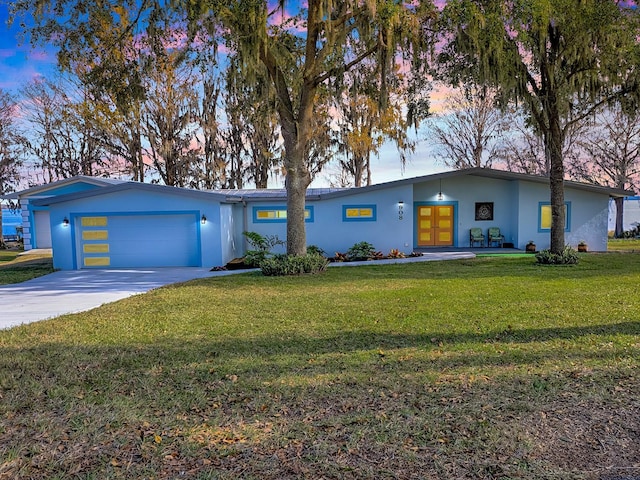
{"points": [[115, 241]]}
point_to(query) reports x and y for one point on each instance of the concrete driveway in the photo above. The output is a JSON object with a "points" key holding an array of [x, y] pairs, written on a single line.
{"points": [[75, 291]]}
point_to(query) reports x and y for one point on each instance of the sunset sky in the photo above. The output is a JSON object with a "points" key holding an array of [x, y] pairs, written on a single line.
{"points": [[19, 64]]}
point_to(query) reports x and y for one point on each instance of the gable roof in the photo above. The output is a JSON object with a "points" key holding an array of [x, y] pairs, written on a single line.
{"points": [[323, 193], [495, 174], [233, 196], [135, 186], [42, 189]]}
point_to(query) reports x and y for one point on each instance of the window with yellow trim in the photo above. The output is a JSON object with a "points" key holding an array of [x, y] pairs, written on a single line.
{"points": [[277, 214], [544, 216], [359, 213]]}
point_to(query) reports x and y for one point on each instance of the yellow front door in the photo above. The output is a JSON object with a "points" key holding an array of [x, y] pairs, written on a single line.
{"points": [[435, 225]]}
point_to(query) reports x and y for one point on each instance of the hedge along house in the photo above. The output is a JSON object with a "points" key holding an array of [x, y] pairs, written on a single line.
{"points": [[129, 224]]}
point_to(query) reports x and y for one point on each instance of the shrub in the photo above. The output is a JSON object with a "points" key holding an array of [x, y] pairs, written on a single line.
{"points": [[263, 243], [633, 232], [253, 258], [568, 257], [262, 246], [283, 265], [341, 257], [317, 250], [360, 251]]}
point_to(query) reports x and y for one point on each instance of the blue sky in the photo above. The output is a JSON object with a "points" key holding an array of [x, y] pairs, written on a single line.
{"points": [[19, 64]]}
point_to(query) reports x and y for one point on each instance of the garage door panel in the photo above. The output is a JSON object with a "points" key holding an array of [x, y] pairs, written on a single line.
{"points": [[169, 240]]}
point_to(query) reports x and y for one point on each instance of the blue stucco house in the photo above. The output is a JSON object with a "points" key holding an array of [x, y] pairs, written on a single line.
{"points": [[99, 223]]}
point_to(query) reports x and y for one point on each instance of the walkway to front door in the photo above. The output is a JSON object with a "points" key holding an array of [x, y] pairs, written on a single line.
{"points": [[435, 225]]}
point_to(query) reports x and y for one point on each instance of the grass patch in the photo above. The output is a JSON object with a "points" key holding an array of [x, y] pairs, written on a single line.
{"points": [[16, 268], [507, 255], [623, 244], [482, 368], [8, 255]]}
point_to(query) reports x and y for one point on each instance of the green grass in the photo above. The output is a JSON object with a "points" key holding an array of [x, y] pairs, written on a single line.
{"points": [[8, 255], [15, 268], [508, 255], [623, 245], [485, 368]]}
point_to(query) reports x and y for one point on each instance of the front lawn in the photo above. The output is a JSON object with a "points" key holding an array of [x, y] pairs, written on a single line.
{"points": [[486, 368], [15, 268]]}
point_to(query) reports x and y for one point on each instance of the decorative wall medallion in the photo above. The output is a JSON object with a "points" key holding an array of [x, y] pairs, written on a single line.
{"points": [[484, 211]]}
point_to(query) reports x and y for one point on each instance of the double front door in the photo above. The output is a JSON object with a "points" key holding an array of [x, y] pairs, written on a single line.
{"points": [[435, 225]]}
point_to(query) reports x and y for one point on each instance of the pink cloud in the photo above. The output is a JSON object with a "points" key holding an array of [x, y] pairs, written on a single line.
{"points": [[439, 96], [41, 56], [15, 77]]}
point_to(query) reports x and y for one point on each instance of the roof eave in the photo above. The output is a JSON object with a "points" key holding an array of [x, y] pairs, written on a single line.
{"points": [[123, 187], [97, 181]]}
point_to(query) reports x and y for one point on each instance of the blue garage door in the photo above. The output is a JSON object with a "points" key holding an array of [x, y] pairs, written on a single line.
{"points": [[116, 241]]}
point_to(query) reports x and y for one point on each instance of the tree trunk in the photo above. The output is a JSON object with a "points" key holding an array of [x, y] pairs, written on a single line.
{"points": [[619, 201], [554, 142], [297, 179], [297, 182], [357, 165]]}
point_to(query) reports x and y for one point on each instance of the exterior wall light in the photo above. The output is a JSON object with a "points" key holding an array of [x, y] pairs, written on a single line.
{"points": [[400, 210], [65, 222], [203, 220]]}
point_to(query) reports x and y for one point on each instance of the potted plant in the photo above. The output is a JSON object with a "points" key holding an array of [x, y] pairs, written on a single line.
{"points": [[582, 246], [531, 247]]}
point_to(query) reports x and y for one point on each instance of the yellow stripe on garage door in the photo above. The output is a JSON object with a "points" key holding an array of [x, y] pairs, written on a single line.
{"points": [[96, 248], [93, 221], [95, 235], [97, 261]]}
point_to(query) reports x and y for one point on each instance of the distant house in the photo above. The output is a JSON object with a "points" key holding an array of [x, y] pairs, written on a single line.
{"points": [[11, 224], [630, 214], [97, 223]]}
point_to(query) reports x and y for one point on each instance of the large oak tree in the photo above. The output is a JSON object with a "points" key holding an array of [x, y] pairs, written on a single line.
{"points": [[560, 59], [306, 54]]}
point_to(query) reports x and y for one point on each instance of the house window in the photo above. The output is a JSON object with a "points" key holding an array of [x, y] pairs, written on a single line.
{"points": [[544, 216], [277, 214], [358, 213]]}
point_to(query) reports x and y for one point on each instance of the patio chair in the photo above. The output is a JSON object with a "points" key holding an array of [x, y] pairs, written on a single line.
{"points": [[495, 237], [475, 235]]}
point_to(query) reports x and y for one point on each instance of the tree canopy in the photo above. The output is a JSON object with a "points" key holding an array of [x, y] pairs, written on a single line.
{"points": [[560, 59], [308, 55]]}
